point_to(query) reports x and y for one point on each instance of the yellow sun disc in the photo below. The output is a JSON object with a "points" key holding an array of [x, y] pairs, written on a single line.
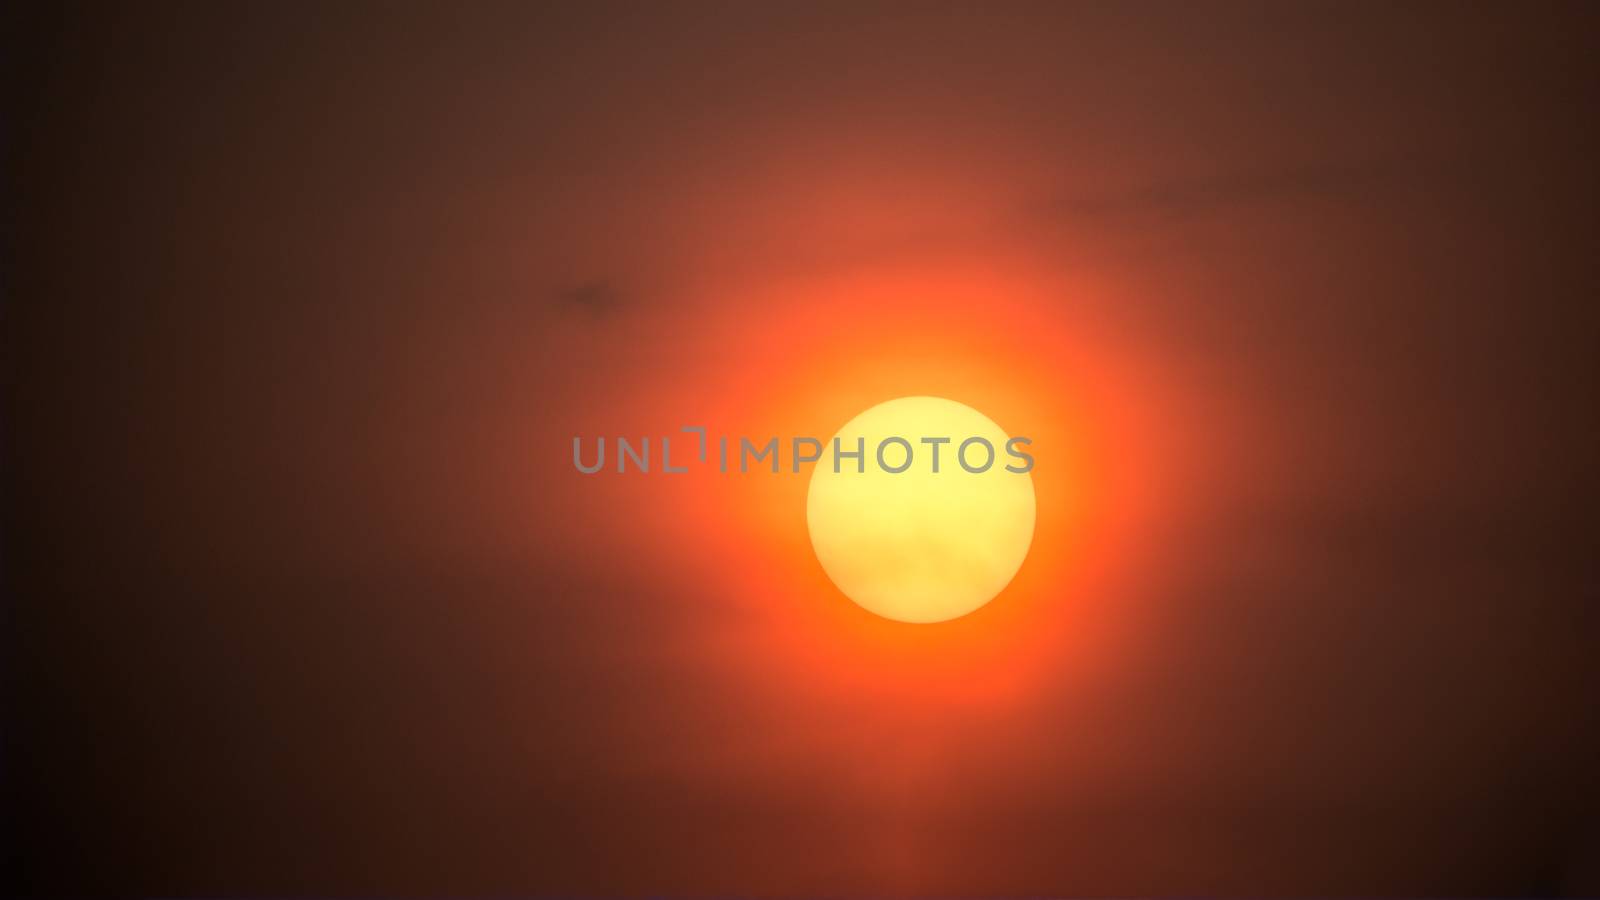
{"points": [[920, 545]]}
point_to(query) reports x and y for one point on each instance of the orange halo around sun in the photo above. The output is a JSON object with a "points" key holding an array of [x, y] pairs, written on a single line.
{"points": [[995, 345]]}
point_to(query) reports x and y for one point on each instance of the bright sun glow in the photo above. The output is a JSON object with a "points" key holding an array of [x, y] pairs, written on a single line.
{"points": [[920, 546]]}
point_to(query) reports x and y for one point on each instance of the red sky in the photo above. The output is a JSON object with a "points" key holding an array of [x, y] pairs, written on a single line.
{"points": [[1294, 302]]}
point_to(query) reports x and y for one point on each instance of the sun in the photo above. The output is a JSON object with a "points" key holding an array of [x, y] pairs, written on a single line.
{"points": [[919, 545]]}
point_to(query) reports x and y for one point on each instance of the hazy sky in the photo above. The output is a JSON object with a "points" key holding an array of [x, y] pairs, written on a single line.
{"points": [[305, 309]]}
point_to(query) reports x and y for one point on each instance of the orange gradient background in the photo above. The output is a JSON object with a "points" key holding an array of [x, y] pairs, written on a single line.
{"points": [[1295, 303]]}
